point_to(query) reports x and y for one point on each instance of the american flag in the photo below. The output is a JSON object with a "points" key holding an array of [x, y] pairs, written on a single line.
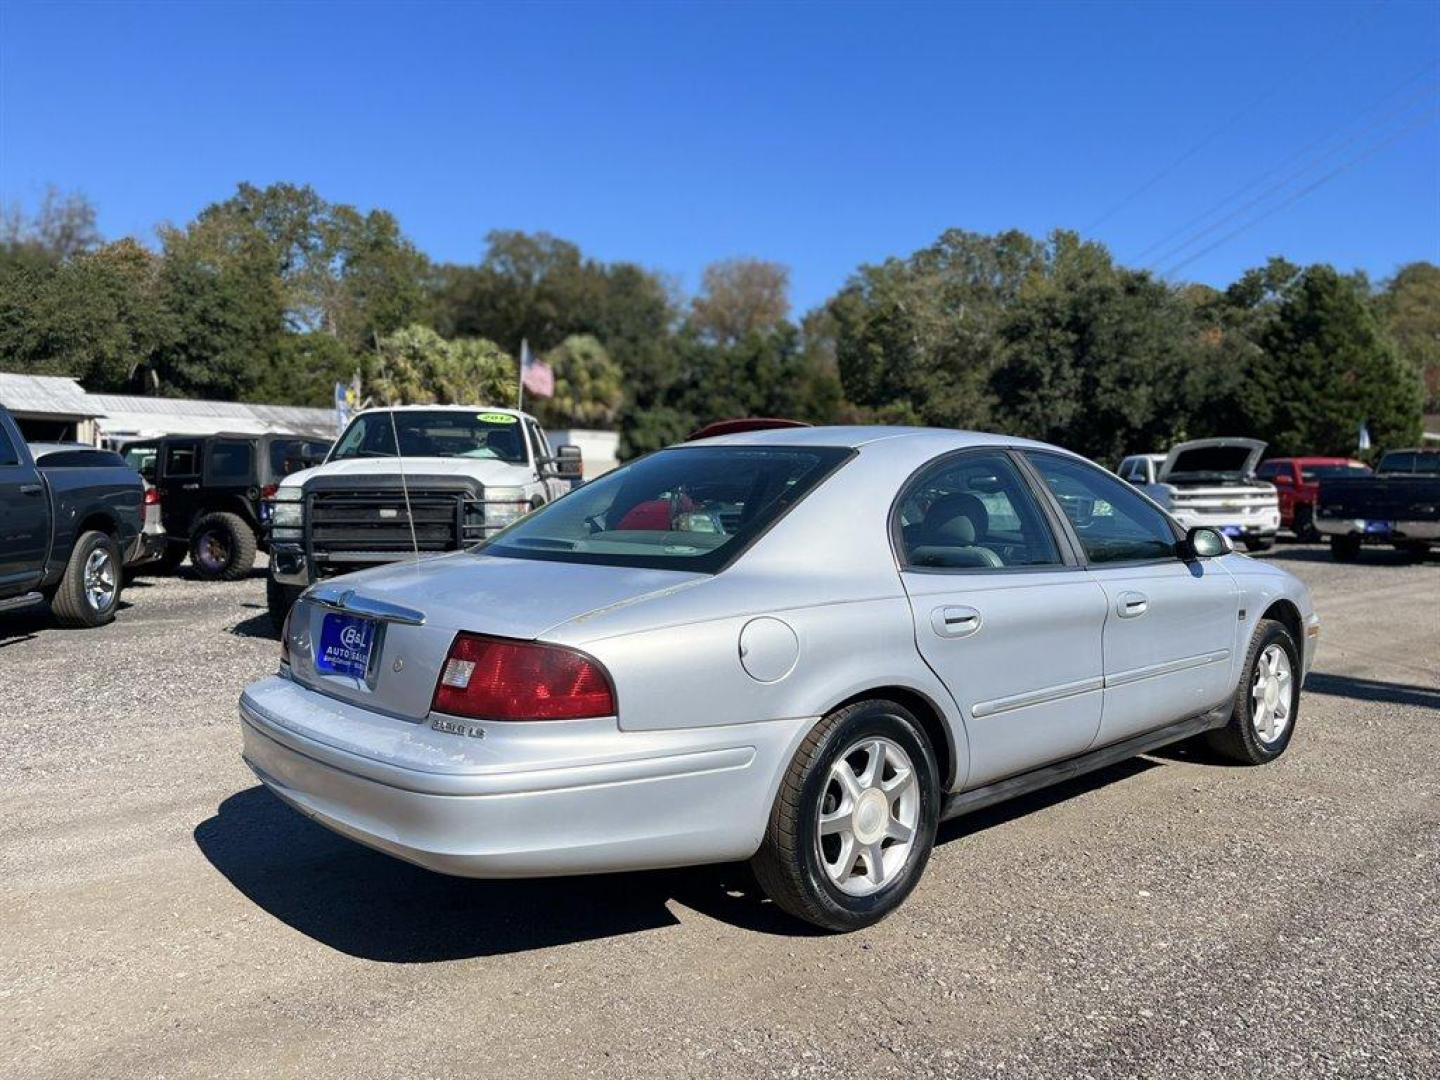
{"points": [[535, 375]]}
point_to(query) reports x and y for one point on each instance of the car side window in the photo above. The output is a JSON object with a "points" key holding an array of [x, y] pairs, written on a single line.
{"points": [[8, 454], [1268, 471], [182, 459], [538, 447], [230, 463], [1113, 522], [973, 511]]}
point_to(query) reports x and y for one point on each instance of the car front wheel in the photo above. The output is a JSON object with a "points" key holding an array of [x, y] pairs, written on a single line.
{"points": [[1267, 701], [854, 821]]}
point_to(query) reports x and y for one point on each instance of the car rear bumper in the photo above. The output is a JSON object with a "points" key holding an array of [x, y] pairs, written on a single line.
{"points": [[566, 798], [1378, 531], [1260, 527], [148, 547]]}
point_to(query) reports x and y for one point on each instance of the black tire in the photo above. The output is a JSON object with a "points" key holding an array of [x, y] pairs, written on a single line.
{"points": [[72, 603], [1344, 548], [1305, 530], [222, 547], [171, 558], [788, 864], [1238, 740], [279, 599], [1418, 550], [1258, 544]]}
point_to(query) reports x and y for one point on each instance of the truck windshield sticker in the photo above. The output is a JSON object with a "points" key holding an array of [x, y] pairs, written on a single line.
{"points": [[495, 418]]}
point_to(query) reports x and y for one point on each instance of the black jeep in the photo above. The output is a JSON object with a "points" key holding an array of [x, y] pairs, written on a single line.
{"points": [[211, 489]]}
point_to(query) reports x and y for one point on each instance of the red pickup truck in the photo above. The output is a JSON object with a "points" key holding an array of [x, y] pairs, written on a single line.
{"points": [[1297, 482]]}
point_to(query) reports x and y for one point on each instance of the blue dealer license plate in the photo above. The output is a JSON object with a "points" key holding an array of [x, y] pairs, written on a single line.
{"points": [[1377, 526], [1232, 530], [345, 644]]}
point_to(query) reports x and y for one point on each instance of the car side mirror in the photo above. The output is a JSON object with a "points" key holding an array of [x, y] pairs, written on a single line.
{"points": [[1203, 542], [569, 464]]}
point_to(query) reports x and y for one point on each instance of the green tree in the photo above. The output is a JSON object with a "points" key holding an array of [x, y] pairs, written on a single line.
{"points": [[1095, 356], [1329, 367], [589, 386], [224, 308], [1410, 308], [919, 337], [416, 366], [95, 317]]}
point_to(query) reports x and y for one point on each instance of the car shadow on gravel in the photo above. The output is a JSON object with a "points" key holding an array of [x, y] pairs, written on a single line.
{"points": [[1350, 686], [257, 626], [1373, 556], [375, 907]]}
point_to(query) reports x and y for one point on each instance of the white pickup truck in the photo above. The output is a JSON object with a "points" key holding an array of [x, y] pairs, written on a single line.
{"points": [[1211, 482], [461, 474]]}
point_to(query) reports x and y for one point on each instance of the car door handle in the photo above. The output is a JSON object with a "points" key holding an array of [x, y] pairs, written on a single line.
{"points": [[31, 489], [955, 622], [1131, 605]]}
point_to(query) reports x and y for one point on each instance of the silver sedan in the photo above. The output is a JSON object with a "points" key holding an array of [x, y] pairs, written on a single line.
{"points": [[803, 647]]}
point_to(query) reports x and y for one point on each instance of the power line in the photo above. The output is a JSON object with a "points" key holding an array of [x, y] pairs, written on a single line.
{"points": [[1273, 170], [1225, 126], [1298, 195], [1294, 176]]}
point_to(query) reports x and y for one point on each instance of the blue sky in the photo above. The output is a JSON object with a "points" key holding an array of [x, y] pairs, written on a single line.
{"points": [[818, 135]]}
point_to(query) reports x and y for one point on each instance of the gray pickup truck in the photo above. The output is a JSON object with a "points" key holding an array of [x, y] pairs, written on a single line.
{"points": [[67, 528]]}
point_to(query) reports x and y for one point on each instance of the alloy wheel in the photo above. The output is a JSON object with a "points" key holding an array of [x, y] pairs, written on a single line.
{"points": [[868, 816], [1271, 694], [100, 580]]}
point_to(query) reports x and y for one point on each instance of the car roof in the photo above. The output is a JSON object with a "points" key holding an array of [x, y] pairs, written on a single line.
{"points": [[443, 408], [857, 436], [1316, 459]]}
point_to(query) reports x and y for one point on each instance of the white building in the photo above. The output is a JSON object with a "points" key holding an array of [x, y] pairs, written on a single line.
{"points": [[56, 408]]}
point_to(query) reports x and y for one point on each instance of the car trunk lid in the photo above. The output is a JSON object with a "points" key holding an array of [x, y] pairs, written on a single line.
{"points": [[1211, 461], [404, 617]]}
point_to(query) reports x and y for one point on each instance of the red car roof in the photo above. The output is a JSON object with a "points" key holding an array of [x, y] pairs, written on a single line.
{"points": [[743, 424]]}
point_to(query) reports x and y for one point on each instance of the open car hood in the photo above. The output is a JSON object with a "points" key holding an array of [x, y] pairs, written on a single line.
{"points": [[1229, 458]]}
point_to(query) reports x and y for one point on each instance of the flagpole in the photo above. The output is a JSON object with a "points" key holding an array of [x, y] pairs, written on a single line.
{"points": [[520, 394]]}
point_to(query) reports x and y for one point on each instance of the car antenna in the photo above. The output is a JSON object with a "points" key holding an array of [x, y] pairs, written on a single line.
{"points": [[404, 488]]}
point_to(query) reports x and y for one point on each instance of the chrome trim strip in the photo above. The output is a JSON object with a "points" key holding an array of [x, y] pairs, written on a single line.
{"points": [[1035, 697], [1124, 678], [337, 599]]}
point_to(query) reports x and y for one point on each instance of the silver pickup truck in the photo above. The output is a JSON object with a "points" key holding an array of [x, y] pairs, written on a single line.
{"points": [[71, 524]]}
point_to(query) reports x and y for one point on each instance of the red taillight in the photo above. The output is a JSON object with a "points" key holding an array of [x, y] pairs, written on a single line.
{"points": [[269, 490], [152, 496], [489, 679]]}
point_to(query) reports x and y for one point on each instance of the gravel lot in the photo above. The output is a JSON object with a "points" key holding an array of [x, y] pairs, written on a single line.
{"points": [[161, 915]]}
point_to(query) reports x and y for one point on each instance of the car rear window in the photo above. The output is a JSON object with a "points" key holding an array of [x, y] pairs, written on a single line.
{"points": [[1310, 473], [81, 459], [686, 508]]}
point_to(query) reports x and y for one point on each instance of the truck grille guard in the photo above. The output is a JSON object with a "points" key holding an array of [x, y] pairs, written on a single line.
{"points": [[367, 523]]}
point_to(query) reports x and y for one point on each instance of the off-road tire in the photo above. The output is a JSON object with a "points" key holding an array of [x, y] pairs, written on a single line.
{"points": [[1344, 548], [1238, 740], [70, 603], [239, 539], [279, 599], [787, 865], [1258, 545]]}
